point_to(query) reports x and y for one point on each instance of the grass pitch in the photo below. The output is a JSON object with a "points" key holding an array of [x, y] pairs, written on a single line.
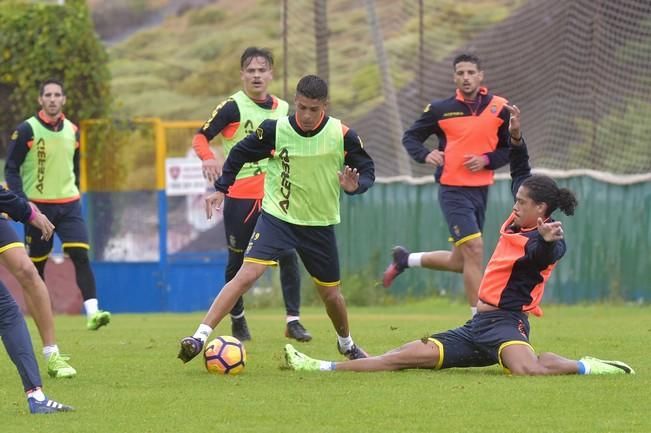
{"points": [[130, 380]]}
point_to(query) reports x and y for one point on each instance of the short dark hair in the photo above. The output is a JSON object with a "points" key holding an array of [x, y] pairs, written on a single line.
{"points": [[41, 88], [312, 87], [543, 189], [466, 57], [252, 52]]}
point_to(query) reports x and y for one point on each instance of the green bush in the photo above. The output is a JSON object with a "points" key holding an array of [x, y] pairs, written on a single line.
{"points": [[41, 41]]}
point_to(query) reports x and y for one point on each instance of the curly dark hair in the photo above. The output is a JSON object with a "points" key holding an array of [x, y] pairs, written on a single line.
{"points": [[543, 189]]}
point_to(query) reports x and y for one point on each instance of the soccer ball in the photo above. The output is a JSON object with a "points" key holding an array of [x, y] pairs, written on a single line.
{"points": [[225, 355]]}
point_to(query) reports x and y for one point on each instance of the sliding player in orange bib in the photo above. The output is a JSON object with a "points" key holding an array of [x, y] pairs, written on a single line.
{"points": [[531, 244]]}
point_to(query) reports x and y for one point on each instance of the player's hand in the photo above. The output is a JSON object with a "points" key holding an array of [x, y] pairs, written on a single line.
{"points": [[514, 123], [212, 169], [41, 222], [435, 158], [550, 232], [349, 179], [474, 162], [214, 201]]}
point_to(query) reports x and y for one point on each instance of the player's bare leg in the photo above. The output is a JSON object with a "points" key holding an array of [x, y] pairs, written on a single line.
{"points": [[336, 309], [473, 254], [521, 360], [466, 258], [416, 354], [248, 274], [440, 260], [443, 260], [37, 298]]}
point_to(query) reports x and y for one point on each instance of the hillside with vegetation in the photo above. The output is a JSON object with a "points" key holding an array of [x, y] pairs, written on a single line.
{"points": [[183, 67], [116, 20]]}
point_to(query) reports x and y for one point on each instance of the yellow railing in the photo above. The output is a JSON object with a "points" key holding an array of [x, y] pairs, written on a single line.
{"points": [[122, 156]]}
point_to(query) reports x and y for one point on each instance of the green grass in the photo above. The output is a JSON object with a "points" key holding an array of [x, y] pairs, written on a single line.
{"points": [[130, 380]]}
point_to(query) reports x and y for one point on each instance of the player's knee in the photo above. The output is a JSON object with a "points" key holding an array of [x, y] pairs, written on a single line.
{"points": [[332, 295], [455, 264], [78, 255], [473, 248], [246, 276], [26, 274]]}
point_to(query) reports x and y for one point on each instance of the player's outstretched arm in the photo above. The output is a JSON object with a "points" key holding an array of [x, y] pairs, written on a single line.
{"points": [[514, 124], [499, 157], [518, 155], [551, 247], [550, 231]]}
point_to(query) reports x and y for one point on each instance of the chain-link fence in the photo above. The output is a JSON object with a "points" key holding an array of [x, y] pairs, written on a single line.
{"points": [[578, 69]]}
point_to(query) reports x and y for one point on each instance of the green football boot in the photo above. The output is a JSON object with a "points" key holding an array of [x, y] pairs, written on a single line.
{"points": [[299, 361], [97, 320], [57, 366], [600, 366]]}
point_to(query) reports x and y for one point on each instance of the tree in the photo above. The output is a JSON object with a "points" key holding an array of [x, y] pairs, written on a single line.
{"points": [[41, 41]]}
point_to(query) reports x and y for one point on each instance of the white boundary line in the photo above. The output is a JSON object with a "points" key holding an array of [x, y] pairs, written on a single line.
{"points": [[616, 179]]}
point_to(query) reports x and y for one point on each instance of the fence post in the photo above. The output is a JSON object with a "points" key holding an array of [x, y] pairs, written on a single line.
{"points": [[394, 120], [83, 175], [161, 154]]}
